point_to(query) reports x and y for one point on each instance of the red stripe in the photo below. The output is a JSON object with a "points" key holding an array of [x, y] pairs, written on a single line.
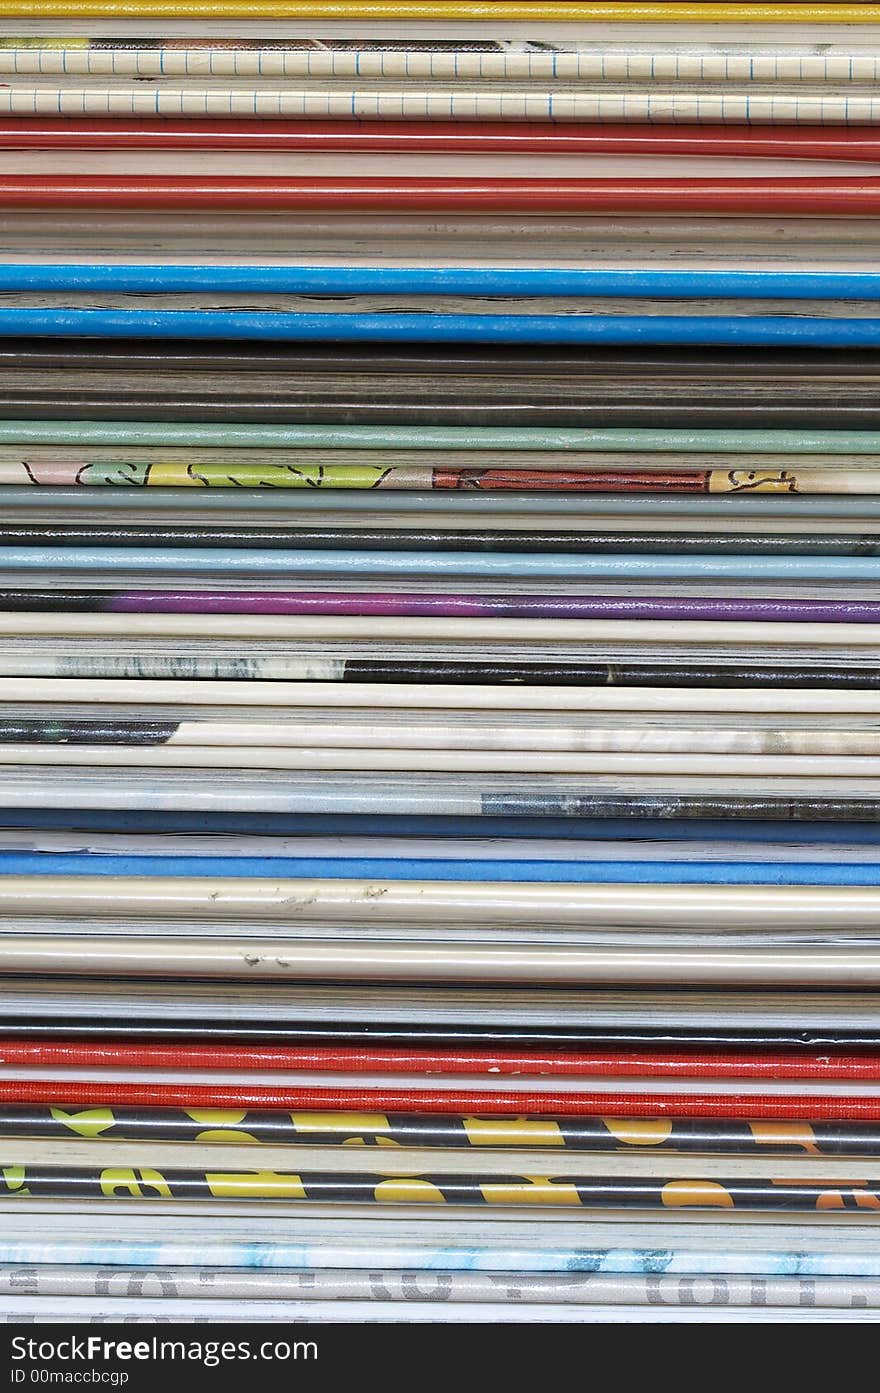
{"points": [[798, 142], [610, 1063], [760, 1106], [595, 481], [819, 194]]}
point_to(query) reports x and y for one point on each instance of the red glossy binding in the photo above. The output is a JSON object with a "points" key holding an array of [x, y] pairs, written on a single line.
{"points": [[483, 1103], [428, 137], [372, 1060]]}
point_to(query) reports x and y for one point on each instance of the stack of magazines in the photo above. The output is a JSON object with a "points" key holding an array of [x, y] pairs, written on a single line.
{"points": [[439, 661]]}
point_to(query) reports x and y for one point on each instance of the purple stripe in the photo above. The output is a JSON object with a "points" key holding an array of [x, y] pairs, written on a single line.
{"points": [[499, 606]]}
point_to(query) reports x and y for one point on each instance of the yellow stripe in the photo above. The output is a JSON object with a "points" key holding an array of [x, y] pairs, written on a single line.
{"points": [[571, 11], [44, 42], [165, 473]]}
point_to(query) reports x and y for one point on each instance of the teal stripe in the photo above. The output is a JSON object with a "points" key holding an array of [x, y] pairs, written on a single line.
{"points": [[340, 437]]}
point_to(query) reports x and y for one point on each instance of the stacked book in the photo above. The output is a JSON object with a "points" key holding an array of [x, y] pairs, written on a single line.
{"points": [[439, 660]]}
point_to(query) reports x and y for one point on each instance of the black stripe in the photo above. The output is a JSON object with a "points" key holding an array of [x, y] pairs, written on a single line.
{"points": [[471, 539], [147, 355], [511, 405], [49, 732], [328, 1032], [50, 601], [635, 818], [808, 807], [718, 674]]}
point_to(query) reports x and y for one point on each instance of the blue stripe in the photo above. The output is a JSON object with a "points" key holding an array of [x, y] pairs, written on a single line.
{"points": [[387, 500], [429, 564], [623, 439], [410, 868], [438, 280], [745, 330]]}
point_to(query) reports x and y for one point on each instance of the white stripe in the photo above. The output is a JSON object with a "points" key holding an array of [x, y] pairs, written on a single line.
{"points": [[474, 698], [393, 902], [712, 765], [837, 106], [786, 65], [366, 628], [314, 961]]}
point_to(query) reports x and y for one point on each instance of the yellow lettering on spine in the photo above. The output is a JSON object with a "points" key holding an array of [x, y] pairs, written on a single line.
{"points": [[215, 1117], [678, 1194], [221, 1125], [116, 1178], [785, 1134], [15, 1180], [370, 1141], [837, 1199], [340, 1123], [408, 1190], [512, 1131], [646, 1132], [530, 1189], [90, 1122], [228, 1134], [268, 1185]]}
